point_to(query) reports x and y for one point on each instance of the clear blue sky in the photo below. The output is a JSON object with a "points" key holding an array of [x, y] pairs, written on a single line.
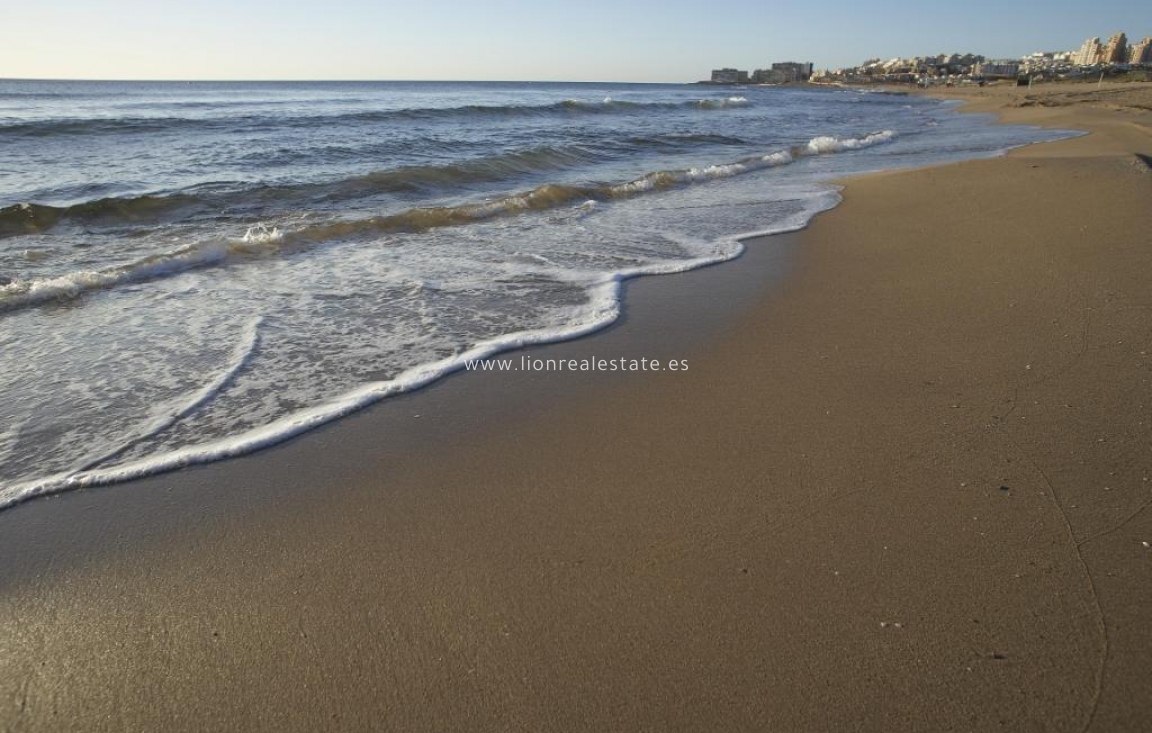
{"points": [[589, 40]]}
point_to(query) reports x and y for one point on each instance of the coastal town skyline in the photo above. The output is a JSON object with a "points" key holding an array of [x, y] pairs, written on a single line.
{"points": [[451, 40], [1117, 53]]}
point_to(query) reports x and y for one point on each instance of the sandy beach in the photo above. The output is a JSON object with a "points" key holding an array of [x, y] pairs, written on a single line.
{"points": [[902, 486]]}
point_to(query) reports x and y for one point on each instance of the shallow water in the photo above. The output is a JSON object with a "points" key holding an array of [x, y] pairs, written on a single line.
{"points": [[193, 270]]}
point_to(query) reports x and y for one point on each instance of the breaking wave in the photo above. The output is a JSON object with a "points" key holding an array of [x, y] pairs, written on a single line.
{"points": [[263, 240], [826, 144], [30, 218], [34, 218]]}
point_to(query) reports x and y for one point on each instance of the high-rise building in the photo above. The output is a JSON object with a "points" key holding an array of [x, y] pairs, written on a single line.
{"points": [[787, 71], [793, 70], [1141, 52], [729, 76], [1116, 52], [1089, 53]]}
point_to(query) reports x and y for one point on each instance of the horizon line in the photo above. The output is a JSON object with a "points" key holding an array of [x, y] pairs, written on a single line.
{"points": [[332, 81]]}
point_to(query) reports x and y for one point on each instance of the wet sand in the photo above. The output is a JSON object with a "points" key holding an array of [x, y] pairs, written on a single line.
{"points": [[902, 486]]}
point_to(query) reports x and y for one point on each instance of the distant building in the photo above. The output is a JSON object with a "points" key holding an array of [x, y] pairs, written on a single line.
{"points": [[780, 73], [1141, 52], [1116, 52], [1090, 53], [767, 76], [729, 76], [952, 64], [996, 69], [793, 70], [1047, 62], [1033, 61]]}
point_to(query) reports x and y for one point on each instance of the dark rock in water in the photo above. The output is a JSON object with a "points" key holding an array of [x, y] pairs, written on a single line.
{"points": [[1004, 488], [5, 281]]}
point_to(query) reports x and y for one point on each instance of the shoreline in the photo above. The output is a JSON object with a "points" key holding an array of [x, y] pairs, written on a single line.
{"points": [[460, 399], [607, 302], [93, 474], [805, 531]]}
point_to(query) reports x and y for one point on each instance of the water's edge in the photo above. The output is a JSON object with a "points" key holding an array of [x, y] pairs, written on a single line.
{"points": [[608, 306]]}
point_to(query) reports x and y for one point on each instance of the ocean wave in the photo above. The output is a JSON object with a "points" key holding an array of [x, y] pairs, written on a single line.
{"points": [[259, 240], [35, 218], [828, 144], [156, 124], [31, 218], [265, 239], [431, 179], [489, 168], [20, 293], [721, 103], [822, 145], [683, 139]]}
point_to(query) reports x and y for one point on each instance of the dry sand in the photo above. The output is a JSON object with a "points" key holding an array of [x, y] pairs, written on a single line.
{"points": [[903, 489]]}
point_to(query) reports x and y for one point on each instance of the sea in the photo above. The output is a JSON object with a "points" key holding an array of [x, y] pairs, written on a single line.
{"points": [[193, 271]]}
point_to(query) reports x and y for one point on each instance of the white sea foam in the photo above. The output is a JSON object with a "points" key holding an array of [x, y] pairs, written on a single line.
{"points": [[262, 234], [828, 144], [167, 416], [31, 292], [782, 157], [605, 309], [722, 103], [824, 145], [605, 293], [21, 293]]}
